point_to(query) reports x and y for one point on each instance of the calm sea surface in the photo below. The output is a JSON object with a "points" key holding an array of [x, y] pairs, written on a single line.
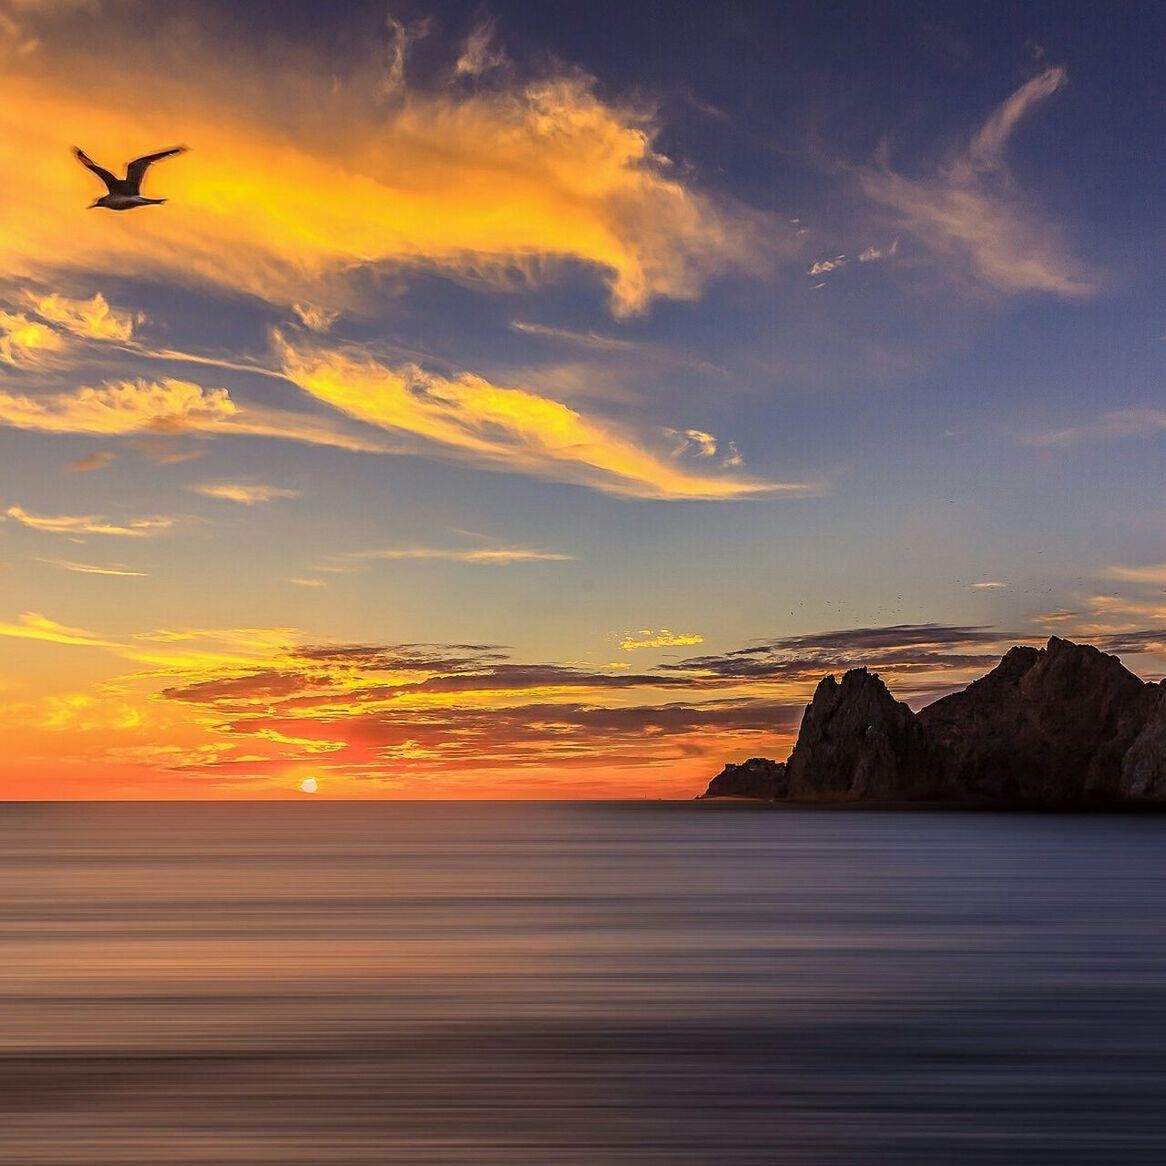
{"points": [[632, 983]]}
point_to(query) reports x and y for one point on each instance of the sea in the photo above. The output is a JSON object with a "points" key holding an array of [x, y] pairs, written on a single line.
{"points": [[613, 983]]}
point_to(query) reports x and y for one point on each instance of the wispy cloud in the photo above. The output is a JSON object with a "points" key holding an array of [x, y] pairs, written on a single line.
{"points": [[75, 524], [481, 53], [93, 569], [970, 213], [312, 583], [246, 494], [28, 343], [907, 650], [593, 340], [89, 462], [34, 626], [694, 441], [170, 407], [315, 318], [874, 254], [825, 266], [503, 428], [485, 556], [1135, 421], [87, 319], [1153, 574], [989, 585], [39, 329], [663, 638]]}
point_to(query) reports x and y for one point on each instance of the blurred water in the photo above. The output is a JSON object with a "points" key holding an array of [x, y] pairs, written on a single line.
{"points": [[624, 983]]}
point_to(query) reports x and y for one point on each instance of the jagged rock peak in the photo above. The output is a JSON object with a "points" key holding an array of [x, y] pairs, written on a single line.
{"points": [[857, 741]]}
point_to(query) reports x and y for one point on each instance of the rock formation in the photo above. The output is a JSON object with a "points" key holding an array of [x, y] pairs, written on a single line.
{"points": [[1062, 725], [857, 741], [756, 778], [1046, 726], [1143, 766]]}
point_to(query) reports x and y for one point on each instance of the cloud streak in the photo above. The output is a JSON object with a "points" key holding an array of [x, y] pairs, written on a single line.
{"points": [[897, 649], [482, 556], [75, 524], [93, 569], [506, 429], [34, 626], [1134, 421], [170, 407], [245, 494]]}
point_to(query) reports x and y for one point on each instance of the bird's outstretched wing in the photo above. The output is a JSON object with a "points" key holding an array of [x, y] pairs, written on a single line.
{"points": [[136, 170], [101, 172]]}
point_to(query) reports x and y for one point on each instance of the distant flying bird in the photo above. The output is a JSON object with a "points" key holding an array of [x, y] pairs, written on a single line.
{"points": [[125, 193]]}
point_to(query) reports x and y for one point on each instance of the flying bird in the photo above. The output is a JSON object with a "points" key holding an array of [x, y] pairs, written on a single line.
{"points": [[125, 193]]}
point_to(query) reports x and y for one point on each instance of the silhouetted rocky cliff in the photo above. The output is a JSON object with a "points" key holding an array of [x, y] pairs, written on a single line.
{"points": [[756, 778], [1061, 725], [857, 741]]}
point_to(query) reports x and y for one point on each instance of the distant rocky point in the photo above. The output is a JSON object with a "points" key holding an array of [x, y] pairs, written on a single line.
{"points": [[1063, 725], [756, 778]]}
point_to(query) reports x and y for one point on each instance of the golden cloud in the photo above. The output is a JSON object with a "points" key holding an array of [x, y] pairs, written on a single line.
{"points": [[296, 178], [34, 626], [28, 343], [168, 406], [505, 429], [42, 342], [647, 638], [1133, 421], [243, 493], [91, 319], [89, 524]]}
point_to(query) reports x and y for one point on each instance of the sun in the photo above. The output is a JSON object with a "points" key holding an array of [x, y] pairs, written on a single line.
{"points": [[309, 785]]}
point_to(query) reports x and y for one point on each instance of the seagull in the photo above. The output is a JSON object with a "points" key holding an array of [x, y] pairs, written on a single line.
{"points": [[125, 193]]}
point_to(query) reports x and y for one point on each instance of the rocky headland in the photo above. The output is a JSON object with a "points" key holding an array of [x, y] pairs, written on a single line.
{"points": [[1064, 725], [756, 778]]}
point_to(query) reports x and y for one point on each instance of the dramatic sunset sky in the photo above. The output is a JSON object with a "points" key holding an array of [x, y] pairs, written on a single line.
{"points": [[535, 400]]}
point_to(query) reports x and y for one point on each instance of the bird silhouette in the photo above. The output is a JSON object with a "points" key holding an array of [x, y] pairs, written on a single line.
{"points": [[125, 193]]}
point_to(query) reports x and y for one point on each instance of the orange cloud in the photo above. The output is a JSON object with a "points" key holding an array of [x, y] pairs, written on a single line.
{"points": [[296, 177], [505, 429], [97, 460]]}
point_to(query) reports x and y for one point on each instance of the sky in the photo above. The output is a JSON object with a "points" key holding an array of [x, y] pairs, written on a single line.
{"points": [[536, 401]]}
